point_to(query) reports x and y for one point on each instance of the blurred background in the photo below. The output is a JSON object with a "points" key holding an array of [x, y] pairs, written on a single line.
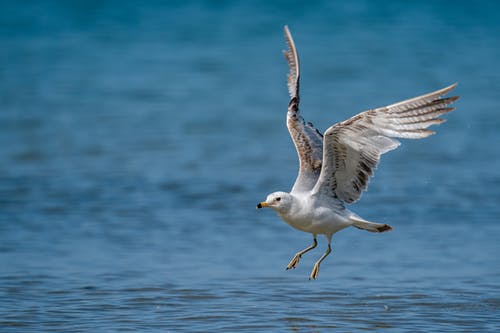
{"points": [[137, 137]]}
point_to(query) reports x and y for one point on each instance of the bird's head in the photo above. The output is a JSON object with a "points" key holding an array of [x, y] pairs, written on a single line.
{"points": [[278, 201]]}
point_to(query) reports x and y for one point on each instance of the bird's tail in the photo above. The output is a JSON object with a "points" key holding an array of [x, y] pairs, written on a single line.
{"points": [[359, 223]]}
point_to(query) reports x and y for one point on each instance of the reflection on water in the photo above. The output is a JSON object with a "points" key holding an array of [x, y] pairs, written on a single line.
{"points": [[137, 139]]}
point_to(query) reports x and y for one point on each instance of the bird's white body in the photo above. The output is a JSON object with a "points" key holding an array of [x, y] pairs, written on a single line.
{"points": [[335, 167], [326, 218]]}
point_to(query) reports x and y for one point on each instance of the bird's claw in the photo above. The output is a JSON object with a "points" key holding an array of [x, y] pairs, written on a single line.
{"points": [[314, 272], [294, 262]]}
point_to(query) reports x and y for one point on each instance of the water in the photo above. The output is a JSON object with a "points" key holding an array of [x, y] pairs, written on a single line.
{"points": [[136, 140]]}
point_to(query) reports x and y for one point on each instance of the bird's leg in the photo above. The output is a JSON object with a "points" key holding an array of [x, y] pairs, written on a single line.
{"points": [[315, 271], [296, 258]]}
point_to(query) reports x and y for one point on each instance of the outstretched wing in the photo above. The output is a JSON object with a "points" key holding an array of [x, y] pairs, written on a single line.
{"points": [[352, 148], [308, 140]]}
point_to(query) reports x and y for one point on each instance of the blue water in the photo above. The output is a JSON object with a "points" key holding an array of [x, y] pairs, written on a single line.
{"points": [[136, 139]]}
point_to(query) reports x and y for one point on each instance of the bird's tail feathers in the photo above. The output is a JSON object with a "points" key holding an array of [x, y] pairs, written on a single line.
{"points": [[359, 223]]}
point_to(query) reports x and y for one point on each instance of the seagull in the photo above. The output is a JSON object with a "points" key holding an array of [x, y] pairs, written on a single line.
{"points": [[335, 167]]}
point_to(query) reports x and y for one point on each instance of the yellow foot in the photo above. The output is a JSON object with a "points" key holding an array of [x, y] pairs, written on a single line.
{"points": [[315, 272], [293, 263]]}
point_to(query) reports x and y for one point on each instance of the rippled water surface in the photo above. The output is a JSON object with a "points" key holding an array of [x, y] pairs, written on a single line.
{"points": [[136, 140]]}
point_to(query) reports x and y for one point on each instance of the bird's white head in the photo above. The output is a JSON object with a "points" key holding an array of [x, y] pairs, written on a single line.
{"points": [[278, 201]]}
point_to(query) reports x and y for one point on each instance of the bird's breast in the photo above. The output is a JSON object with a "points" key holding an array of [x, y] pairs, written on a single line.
{"points": [[316, 220]]}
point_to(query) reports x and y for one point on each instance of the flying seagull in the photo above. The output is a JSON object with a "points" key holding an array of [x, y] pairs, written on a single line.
{"points": [[335, 167]]}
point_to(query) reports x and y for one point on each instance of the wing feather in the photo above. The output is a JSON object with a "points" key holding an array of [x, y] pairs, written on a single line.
{"points": [[352, 148], [308, 140]]}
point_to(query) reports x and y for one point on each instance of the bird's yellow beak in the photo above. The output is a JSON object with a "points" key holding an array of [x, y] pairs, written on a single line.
{"points": [[262, 204]]}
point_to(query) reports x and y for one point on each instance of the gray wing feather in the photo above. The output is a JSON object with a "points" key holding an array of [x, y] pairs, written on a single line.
{"points": [[307, 139], [352, 148]]}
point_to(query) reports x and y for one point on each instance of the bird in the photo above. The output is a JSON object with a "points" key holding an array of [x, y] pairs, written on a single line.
{"points": [[335, 167]]}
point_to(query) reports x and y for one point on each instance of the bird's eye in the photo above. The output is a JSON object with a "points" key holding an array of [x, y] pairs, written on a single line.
{"points": [[278, 199]]}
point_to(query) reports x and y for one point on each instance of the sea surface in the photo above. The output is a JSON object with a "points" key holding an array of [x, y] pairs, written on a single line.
{"points": [[136, 139]]}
